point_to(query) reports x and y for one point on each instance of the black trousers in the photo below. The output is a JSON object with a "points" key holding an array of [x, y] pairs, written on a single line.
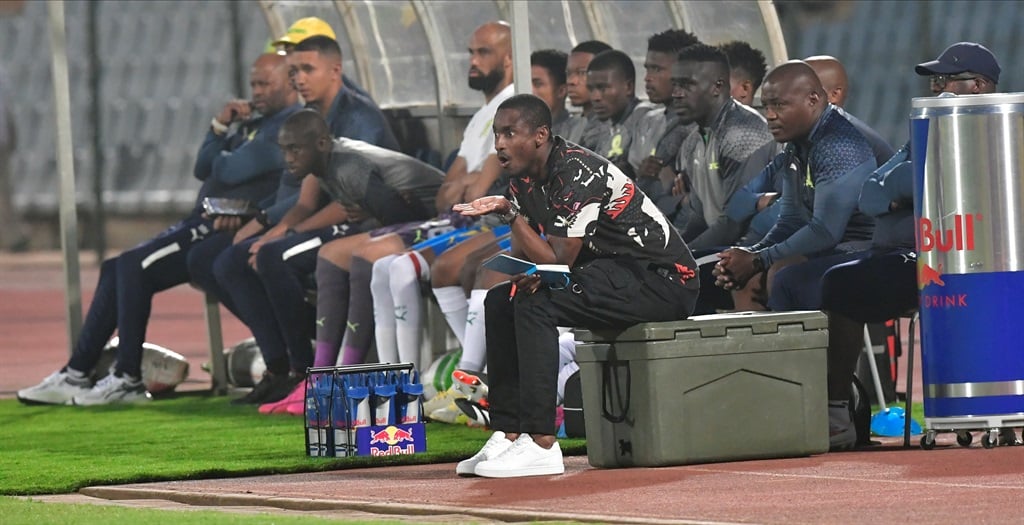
{"points": [[873, 288], [522, 333]]}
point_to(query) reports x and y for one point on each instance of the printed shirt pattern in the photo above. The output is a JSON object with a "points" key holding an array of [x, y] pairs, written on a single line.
{"points": [[587, 197]]}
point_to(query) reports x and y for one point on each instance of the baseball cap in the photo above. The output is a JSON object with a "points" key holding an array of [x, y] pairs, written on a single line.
{"points": [[304, 28], [962, 57]]}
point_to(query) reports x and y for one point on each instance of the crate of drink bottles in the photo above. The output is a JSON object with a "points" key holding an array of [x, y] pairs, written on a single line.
{"points": [[363, 410]]}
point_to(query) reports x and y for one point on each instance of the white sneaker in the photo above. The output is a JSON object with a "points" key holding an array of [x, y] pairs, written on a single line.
{"points": [[494, 447], [113, 389], [523, 458], [842, 435], [57, 389]]}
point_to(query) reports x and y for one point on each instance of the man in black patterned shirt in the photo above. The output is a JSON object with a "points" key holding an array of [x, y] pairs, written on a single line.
{"points": [[628, 265]]}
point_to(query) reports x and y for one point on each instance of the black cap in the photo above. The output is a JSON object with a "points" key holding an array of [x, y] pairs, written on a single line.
{"points": [[962, 57]]}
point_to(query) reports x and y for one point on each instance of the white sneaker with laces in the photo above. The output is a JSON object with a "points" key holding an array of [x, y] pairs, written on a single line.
{"points": [[497, 444], [114, 389], [57, 389], [523, 458]]}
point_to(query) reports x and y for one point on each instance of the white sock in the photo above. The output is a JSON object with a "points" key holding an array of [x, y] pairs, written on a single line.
{"points": [[384, 311], [567, 365], [566, 348], [407, 271], [454, 306], [474, 348], [564, 373]]}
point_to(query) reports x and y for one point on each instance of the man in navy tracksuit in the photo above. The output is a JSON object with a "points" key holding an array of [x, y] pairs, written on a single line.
{"points": [[264, 277], [238, 159], [823, 166]]}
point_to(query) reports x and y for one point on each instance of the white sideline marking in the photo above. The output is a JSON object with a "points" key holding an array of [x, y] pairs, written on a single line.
{"points": [[870, 480]]}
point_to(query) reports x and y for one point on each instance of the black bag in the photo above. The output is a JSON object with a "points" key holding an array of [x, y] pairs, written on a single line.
{"points": [[572, 407], [860, 412]]}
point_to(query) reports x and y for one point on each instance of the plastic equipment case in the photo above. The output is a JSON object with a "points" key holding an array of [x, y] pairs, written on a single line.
{"points": [[710, 388]]}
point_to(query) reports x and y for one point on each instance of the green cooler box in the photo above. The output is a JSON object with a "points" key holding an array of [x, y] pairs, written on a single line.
{"points": [[710, 388]]}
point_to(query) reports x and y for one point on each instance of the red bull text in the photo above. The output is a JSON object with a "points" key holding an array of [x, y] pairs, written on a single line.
{"points": [[959, 238]]}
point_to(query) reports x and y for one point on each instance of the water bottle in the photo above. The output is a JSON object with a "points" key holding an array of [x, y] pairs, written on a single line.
{"points": [[358, 394], [407, 397], [383, 394]]}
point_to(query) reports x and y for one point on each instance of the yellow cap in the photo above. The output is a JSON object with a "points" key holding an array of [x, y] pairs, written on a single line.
{"points": [[305, 28]]}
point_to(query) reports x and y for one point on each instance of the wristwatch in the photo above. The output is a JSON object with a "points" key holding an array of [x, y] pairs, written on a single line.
{"points": [[507, 218], [263, 219], [758, 264]]}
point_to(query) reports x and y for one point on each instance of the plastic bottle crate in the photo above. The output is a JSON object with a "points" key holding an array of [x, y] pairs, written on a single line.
{"points": [[710, 388], [363, 410]]}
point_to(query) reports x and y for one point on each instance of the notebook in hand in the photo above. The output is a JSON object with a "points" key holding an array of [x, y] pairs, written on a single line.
{"points": [[552, 274]]}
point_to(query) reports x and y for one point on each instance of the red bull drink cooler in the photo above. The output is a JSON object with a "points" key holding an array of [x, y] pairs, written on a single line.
{"points": [[968, 157]]}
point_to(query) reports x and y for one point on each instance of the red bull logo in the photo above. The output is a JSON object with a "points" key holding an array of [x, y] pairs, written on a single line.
{"points": [[390, 435], [960, 237], [391, 441], [927, 275]]}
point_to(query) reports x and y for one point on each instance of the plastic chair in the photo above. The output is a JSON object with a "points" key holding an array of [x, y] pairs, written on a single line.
{"points": [[215, 339]]}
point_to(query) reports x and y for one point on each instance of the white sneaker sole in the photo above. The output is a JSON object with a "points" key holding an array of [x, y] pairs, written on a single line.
{"points": [[122, 401], [30, 401], [483, 470]]}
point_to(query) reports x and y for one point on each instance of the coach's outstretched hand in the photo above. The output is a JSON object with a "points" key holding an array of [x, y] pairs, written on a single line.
{"points": [[484, 206]]}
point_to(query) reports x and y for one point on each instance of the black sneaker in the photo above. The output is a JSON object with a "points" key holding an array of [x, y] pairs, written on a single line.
{"points": [[273, 387], [280, 389]]}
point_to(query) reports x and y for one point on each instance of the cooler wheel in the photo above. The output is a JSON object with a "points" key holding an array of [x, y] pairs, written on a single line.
{"points": [[928, 440], [991, 438], [964, 438]]}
